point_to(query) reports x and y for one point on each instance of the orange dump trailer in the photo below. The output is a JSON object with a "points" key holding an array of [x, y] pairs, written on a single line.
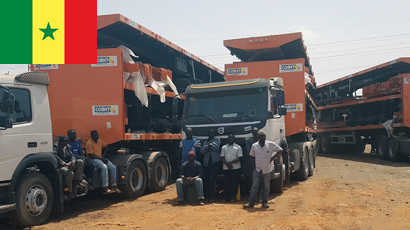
{"points": [[129, 106], [281, 56], [270, 89]]}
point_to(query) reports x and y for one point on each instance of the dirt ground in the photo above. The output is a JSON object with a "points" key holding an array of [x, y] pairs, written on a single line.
{"points": [[347, 191]]}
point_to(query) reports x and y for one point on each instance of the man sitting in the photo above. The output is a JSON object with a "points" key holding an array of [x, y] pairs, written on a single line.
{"points": [[70, 166], [75, 145], [190, 173], [94, 148]]}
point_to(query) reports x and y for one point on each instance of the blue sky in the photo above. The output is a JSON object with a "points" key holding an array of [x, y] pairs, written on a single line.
{"points": [[342, 37]]}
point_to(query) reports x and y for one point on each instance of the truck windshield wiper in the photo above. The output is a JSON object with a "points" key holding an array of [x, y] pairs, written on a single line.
{"points": [[240, 113], [202, 115]]}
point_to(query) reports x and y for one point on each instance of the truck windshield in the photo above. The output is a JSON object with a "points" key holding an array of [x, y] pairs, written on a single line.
{"points": [[244, 104]]}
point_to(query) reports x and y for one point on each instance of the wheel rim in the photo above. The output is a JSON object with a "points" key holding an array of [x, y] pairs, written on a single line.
{"points": [[161, 174], [137, 179], [36, 200]]}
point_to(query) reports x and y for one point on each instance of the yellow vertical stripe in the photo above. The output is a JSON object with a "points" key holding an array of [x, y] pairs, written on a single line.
{"points": [[45, 49]]}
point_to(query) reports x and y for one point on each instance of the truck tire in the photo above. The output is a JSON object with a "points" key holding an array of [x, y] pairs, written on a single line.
{"points": [[381, 146], [34, 200], [393, 151], [311, 161], [276, 185], [136, 180], [160, 175], [303, 172], [325, 145]]}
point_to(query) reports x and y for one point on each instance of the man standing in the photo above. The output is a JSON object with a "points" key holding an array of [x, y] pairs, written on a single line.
{"points": [[247, 163], [212, 160], [94, 148], [231, 155], [188, 144], [71, 168], [190, 173], [75, 145], [251, 140], [262, 155]]}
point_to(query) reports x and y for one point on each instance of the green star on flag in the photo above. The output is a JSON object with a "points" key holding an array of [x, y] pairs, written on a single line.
{"points": [[48, 32]]}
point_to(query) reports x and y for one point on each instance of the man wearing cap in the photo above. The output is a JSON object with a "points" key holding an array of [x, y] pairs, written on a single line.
{"points": [[190, 175], [248, 145], [262, 154], [71, 168]]}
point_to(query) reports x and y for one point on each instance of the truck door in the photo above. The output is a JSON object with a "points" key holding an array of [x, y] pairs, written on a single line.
{"points": [[276, 122], [17, 140]]}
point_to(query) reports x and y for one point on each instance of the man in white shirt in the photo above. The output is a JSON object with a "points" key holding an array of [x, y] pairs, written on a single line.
{"points": [[231, 155], [262, 155]]}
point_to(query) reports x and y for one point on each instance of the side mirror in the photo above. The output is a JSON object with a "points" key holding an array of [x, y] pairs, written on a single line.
{"points": [[282, 111], [280, 98]]}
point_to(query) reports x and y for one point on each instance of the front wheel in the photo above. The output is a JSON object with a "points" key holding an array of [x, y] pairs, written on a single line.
{"points": [[136, 180], [160, 175], [34, 200]]}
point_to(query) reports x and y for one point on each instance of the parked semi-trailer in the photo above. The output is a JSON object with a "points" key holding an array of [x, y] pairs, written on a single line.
{"points": [[36, 107], [141, 124], [249, 98], [378, 115]]}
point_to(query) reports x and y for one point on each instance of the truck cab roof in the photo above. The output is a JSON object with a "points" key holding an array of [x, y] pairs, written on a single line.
{"points": [[26, 77]]}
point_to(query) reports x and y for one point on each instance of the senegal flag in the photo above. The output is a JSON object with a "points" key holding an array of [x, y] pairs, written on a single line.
{"points": [[48, 32]]}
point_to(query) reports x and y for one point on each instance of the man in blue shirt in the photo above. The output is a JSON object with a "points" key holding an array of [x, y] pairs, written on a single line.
{"points": [[212, 163], [75, 145], [188, 144], [190, 175]]}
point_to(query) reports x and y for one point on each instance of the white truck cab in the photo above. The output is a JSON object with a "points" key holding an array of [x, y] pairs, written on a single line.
{"points": [[28, 169]]}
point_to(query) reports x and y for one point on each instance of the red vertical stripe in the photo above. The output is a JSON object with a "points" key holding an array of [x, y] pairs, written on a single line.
{"points": [[80, 31]]}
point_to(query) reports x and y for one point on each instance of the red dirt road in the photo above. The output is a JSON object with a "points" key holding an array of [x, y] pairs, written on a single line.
{"points": [[347, 191]]}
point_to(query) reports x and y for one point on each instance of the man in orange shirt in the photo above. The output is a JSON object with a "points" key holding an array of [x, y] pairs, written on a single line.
{"points": [[94, 148]]}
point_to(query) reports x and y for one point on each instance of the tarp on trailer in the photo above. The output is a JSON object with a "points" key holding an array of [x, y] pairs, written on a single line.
{"points": [[269, 48], [115, 30]]}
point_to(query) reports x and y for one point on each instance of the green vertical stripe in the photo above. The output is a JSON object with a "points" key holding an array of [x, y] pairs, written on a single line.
{"points": [[16, 34]]}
